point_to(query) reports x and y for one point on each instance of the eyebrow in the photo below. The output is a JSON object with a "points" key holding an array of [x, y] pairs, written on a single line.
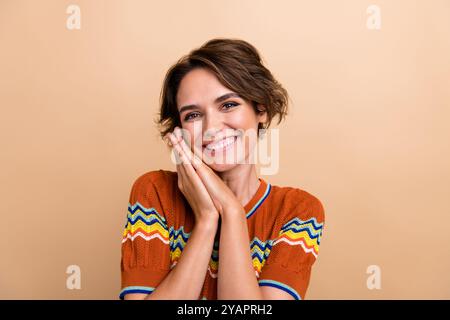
{"points": [[218, 100]]}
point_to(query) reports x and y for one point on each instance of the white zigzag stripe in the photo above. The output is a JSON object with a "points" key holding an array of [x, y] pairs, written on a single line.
{"points": [[293, 243], [140, 234]]}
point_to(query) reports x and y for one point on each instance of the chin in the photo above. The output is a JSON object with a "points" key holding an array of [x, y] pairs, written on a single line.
{"points": [[219, 162], [222, 167]]}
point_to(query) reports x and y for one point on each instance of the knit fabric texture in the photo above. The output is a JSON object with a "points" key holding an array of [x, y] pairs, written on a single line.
{"points": [[285, 225]]}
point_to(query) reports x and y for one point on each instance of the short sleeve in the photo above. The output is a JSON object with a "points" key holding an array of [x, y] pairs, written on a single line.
{"points": [[145, 259], [295, 250]]}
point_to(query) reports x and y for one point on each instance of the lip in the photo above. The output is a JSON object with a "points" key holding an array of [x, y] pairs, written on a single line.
{"points": [[222, 149]]}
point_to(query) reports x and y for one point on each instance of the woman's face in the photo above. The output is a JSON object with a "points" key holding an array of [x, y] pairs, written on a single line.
{"points": [[221, 126]]}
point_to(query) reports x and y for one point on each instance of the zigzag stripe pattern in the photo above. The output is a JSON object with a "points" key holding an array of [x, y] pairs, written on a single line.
{"points": [[178, 240], [260, 251], [213, 266], [307, 234], [145, 223]]}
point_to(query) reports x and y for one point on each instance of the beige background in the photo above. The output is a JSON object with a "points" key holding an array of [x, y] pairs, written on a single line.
{"points": [[367, 133]]}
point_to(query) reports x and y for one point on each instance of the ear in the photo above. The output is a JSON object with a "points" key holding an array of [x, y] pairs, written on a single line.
{"points": [[262, 113]]}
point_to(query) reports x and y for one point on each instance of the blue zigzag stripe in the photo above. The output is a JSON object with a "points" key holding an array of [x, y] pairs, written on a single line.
{"points": [[145, 215], [312, 221], [137, 205], [297, 226], [264, 247], [178, 238], [312, 236], [148, 222]]}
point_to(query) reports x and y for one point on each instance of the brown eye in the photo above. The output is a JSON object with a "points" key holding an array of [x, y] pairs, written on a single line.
{"points": [[230, 105], [190, 116]]}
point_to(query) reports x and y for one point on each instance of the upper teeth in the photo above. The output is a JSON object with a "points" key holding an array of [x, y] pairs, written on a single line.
{"points": [[220, 144]]}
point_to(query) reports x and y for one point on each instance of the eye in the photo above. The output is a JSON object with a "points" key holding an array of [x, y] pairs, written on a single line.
{"points": [[230, 105], [190, 116]]}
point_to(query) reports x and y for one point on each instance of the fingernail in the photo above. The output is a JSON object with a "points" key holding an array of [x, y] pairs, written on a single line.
{"points": [[172, 138]]}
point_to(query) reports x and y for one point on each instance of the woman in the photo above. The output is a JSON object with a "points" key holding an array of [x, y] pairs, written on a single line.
{"points": [[181, 224]]}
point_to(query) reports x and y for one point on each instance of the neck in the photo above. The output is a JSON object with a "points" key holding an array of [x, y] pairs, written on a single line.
{"points": [[242, 180]]}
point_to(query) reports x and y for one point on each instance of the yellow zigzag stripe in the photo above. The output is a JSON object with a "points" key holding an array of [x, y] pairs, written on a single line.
{"points": [[303, 235], [131, 228]]}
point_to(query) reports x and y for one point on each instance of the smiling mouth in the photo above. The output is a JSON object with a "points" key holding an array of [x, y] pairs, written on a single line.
{"points": [[221, 145]]}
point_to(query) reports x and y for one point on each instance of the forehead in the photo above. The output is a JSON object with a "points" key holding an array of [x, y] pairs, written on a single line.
{"points": [[199, 86]]}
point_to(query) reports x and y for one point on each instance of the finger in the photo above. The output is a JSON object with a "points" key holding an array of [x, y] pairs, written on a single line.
{"points": [[194, 147], [178, 159], [181, 154], [178, 151], [181, 169], [186, 162], [167, 140], [194, 159], [207, 176], [190, 162], [188, 157], [178, 134], [183, 179], [192, 155], [182, 137], [181, 174], [172, 138]]}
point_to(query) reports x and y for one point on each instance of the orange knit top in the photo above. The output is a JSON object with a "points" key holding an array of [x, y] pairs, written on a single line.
{"points": [[285, 225]]}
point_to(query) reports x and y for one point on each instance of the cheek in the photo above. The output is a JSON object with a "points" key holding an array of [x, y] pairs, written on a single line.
{"points": [[244, 119]]}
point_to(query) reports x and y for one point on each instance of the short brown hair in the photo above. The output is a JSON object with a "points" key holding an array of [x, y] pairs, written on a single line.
{"points": [[238, 66]]}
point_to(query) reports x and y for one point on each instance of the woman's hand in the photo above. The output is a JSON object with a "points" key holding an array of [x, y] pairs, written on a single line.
{"points": [[192, 186], [221, 195]]}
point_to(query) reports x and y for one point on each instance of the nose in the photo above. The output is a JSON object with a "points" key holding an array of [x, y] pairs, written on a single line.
{"points": [[212, 125]]}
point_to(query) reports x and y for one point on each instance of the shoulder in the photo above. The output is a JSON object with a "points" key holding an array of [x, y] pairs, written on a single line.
{"points": [[298, 203], [157, 185], [158, 179], [154, 191]]}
